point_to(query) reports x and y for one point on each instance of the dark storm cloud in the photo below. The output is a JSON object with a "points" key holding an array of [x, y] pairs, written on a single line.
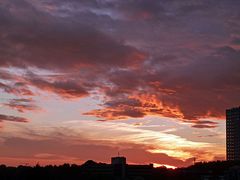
{"points": [[207, 86], [44, 41]]}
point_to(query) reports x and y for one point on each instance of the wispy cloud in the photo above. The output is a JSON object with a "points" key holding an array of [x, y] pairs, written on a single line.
{"points": [[4, 117], [22, 105]]}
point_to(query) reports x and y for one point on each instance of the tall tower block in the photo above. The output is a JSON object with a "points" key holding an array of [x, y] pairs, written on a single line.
{"points": [[233, 134]]}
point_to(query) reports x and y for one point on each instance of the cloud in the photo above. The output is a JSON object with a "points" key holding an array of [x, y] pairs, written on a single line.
{"points": [[66, 89], [135, 106], [176, 59], [79, 141], [22, 105], [236, 41], [142, 10], [18, 89], [205, 87], [114, 9], [200, 89], [176, 63], [43, 41], [4, 75], [12, 118], [204, 124], [112, 114]]}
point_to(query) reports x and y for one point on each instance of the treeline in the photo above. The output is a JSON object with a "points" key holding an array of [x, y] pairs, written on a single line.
{"points": [[62, 172], [211, 170], [75, 172]]}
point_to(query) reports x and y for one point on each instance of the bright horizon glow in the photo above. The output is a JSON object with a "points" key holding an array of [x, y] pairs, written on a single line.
{"points": [[164, 165]]}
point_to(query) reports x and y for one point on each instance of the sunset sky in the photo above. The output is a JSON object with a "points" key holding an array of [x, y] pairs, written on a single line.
{"points": [[86, 79]]}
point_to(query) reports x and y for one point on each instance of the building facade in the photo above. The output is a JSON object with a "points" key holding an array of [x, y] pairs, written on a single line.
{"points": [[233, 134]]}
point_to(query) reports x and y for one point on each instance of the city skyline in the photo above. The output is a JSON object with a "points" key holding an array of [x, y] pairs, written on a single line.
{"points": [[86, 79]]}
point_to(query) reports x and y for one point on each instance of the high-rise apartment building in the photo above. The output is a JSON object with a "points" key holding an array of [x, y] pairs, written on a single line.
{"points": [[233, 133]]}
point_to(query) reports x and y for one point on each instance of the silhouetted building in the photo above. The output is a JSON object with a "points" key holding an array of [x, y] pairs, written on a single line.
{"points": [[118, 169], [119, 166], [118, 160], [233, 173], [233, 133]]}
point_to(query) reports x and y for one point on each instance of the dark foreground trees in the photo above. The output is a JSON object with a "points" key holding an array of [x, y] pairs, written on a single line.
{"points": [[99, 171]]}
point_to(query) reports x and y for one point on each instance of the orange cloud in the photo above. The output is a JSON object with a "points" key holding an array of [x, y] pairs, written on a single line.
{"points": [[136, 106]]}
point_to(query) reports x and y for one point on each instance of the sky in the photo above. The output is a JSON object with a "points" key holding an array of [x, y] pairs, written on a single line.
{"points": [[86, 79]]}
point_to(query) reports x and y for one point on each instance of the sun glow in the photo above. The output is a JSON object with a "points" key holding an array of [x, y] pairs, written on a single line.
{"points": [[156, 165], [173, 153], [153, 141]]}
